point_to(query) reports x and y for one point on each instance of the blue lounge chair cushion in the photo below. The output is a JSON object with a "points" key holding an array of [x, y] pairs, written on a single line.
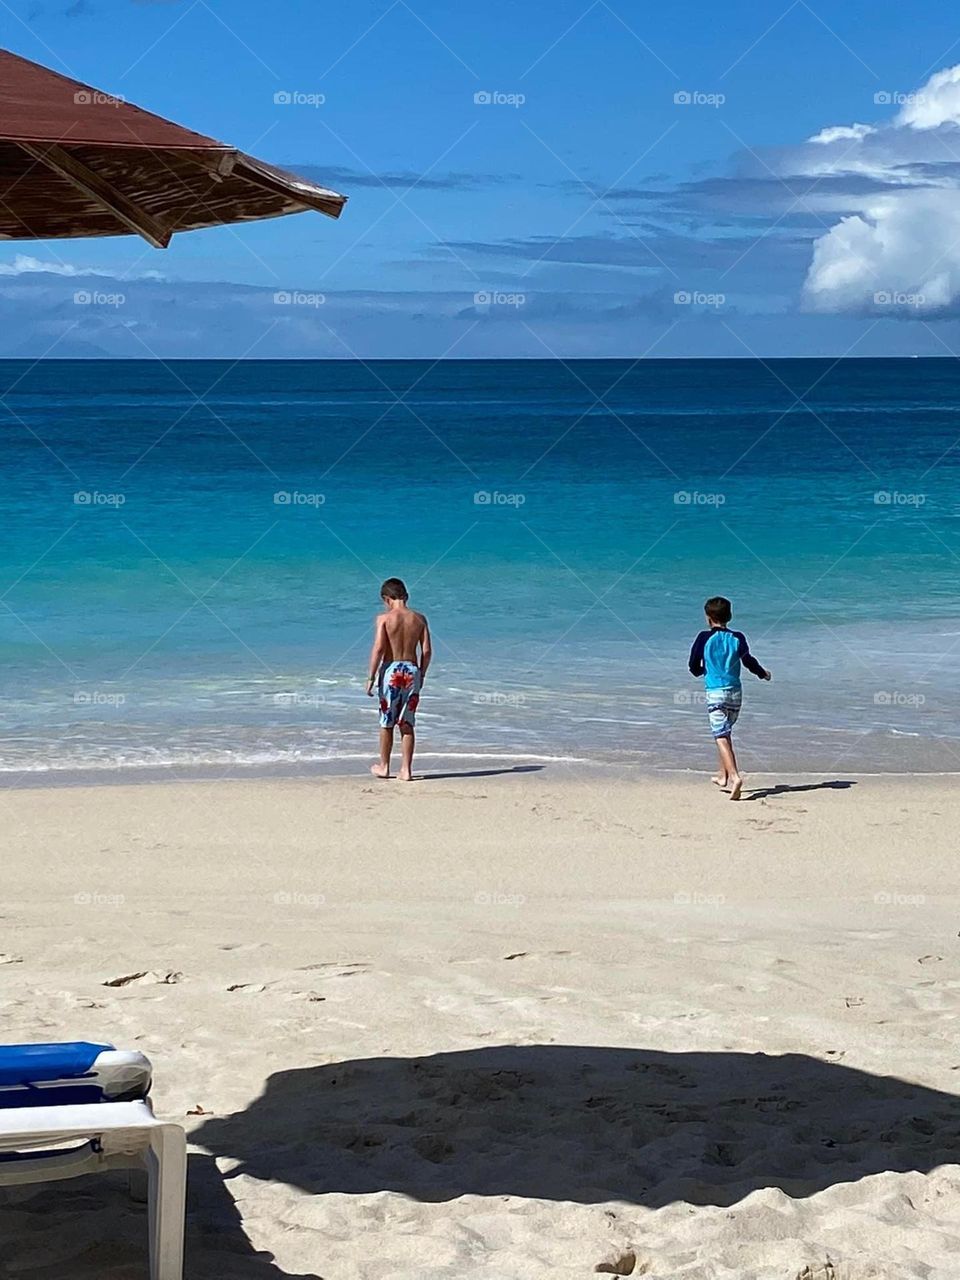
{"points": [[26, 1064], [48, 1075]]}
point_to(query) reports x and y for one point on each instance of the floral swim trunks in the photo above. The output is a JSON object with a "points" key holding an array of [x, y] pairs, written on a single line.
{"points": [[399, 694], [723, 708]]}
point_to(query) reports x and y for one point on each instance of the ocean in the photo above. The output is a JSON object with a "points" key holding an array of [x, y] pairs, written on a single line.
{"points": [[192, 553]]}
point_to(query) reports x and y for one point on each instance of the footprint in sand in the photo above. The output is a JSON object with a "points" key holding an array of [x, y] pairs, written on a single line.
{"points": [[824, 1271], [343, 970], [433, 1147], [621, 1264], [146, 977], [532, 955], [673, 1074]]}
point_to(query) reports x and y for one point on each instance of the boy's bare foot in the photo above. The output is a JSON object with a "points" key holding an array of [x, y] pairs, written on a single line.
{"points": [[380, 770], [719, 781], [404, 776], [736, 786]]}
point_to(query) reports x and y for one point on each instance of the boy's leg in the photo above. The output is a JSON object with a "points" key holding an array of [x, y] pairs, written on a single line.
{"points": [[407, 742], [728, 764], [382, 770]]}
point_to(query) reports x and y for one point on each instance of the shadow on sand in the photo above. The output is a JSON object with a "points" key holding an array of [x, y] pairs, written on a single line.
{"points": [[555, 1122], [107, 1232], [571, 1122], [478, 773], [784, 789]]}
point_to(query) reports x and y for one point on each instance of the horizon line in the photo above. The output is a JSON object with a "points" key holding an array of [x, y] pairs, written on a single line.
{"points": [[437, 360]]}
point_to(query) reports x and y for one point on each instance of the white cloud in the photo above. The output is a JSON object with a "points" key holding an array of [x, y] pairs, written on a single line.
{"points": [[837, 132], [937, 103], [24, 265], [900, 256], [898, 252]]}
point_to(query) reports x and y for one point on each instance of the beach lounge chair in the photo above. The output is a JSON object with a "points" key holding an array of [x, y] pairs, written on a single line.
{"points": [[72, 1109]]}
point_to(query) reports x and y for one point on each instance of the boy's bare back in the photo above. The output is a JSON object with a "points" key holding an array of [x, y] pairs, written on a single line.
{"points": [[402, 633]]}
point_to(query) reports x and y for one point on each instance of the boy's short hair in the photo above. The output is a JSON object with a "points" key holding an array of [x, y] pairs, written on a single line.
{"points": [[393, 589], [718, 609]]}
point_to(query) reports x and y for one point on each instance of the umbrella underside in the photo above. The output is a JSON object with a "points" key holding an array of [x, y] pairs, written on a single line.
{"points": [[76, 162], [48, 192]]}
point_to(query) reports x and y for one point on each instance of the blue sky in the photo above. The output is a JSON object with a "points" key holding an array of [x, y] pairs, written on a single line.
{"points": [[583, 211]]}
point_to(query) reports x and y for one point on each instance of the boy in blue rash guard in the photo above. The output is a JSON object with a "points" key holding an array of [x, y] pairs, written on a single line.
{"points": [[717, 655]]}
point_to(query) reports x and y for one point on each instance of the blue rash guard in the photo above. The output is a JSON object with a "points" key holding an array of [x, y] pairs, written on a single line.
{"points": [[717, 655]]}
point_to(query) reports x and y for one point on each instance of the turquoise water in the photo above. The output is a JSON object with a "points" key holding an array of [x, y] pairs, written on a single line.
{"points": [[162, 606]]}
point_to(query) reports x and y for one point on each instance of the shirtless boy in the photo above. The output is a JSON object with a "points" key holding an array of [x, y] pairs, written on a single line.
{"points": [[398, 671]]}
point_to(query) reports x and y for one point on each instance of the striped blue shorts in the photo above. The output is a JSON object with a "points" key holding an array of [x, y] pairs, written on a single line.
{"points": [[723, 708]]}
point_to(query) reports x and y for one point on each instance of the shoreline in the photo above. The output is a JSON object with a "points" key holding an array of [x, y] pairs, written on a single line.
{"points": [[443, 765]]}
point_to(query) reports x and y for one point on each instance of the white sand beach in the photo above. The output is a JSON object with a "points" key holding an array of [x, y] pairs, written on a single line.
{"points": [[506, 1026]]}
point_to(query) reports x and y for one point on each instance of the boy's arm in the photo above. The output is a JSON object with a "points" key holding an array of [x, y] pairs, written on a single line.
{"points": [[749, 661], [696, 664], [376, 653], [426, 650]]}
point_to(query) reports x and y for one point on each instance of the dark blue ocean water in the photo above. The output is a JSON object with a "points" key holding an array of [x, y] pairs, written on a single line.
{"points": [[192, 551]]}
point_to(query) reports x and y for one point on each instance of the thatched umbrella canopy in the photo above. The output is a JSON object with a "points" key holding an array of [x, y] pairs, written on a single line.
{"points": [[78, 162]]}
